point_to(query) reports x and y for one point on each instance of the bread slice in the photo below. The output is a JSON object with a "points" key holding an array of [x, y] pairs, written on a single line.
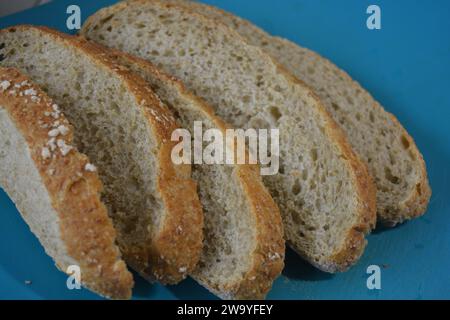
{"points": [[57, 191], [376, 135], [125, 130], [325, 194], [243, 246]]}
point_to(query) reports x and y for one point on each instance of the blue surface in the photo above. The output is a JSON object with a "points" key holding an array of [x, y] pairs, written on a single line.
{"points": [[405, 65]]}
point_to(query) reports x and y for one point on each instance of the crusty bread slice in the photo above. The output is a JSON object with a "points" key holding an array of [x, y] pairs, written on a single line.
{"points": [[125, 130], [380, 140], [57, 191], [243, 246], [325, 194]]}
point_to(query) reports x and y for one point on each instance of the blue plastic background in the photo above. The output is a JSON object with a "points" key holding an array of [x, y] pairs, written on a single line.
{"points": [[406, 66]]}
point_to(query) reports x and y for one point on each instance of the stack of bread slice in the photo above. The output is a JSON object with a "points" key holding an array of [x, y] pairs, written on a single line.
{"points": [[125, 128], [342, 157], [325, 194]]}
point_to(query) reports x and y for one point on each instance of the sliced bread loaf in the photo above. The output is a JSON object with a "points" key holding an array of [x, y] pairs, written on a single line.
{"points": [[125, 130], [57, 190], [380, 140], [325, 194], [243, 247]]}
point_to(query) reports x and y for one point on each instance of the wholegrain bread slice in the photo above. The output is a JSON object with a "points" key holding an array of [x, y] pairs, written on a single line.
{"points": [[243, 247], [325, 194], [403, 191], [57, 191], [125, 130]]}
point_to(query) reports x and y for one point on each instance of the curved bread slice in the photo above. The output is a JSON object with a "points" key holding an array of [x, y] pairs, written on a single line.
{"points": [[325, 194], [243, 246], [57, 191], [393, 159], [125, 130]]}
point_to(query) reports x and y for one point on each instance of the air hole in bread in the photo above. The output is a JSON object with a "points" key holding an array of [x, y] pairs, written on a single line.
{"points": [[275, 113], [2, 45], [246, 99], [371, 117], [314, 155], [405, 142], [392, 159], [109, 29], [358, 116], [106, 19], [296, 188], [296, 217], [339, 186], [389, 176], [305, 174], [419, 189], [116, 109], [335, 106], [349, 100]]}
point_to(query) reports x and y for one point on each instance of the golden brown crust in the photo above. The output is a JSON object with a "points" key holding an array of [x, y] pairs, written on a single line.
{"points": [[268, 258], [416, 204], [353, 247], [161, 259], [74, 191]]}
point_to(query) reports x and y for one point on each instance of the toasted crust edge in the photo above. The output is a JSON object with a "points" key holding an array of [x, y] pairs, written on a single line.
{"points": [[355, 242], [269, 255], [415, 205], [162, 259], [103, 270]]}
